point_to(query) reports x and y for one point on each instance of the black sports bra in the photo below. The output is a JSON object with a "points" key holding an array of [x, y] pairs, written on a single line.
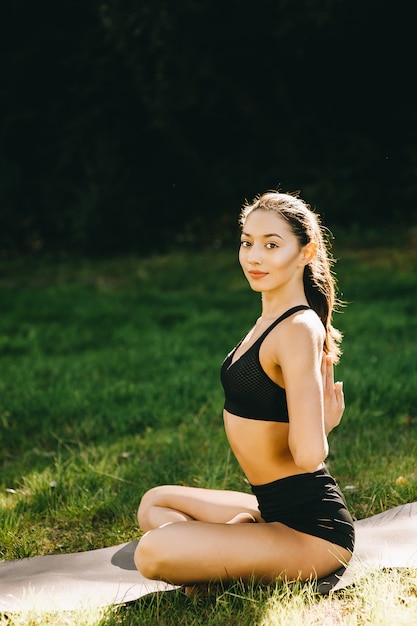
{"points": [[249, 392]]}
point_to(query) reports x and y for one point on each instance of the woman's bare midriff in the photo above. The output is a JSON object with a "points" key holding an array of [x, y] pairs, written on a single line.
{"points": [[261, 448]]}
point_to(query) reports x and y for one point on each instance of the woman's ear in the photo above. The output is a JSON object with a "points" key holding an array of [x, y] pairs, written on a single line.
{"points": [[308, 253]]}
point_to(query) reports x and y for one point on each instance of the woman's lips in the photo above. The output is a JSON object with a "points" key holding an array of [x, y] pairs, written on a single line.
{"points": [[255, 274]]}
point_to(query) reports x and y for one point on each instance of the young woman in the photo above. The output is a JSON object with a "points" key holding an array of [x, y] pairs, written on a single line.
{"points": [[280, 404]]}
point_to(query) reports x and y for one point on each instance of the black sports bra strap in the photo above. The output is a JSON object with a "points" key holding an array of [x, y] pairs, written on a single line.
{"points": [[281, 318]]}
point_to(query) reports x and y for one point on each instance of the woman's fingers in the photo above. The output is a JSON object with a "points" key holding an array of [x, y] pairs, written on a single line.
{"points": [[340, 396], [327, 372], [334, 400]]}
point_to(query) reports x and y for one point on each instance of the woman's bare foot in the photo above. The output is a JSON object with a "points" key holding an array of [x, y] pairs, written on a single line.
{"points": [[242, 518], [204, 590]]}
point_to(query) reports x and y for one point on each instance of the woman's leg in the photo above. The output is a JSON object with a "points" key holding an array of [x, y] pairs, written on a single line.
{"points": [[205, 547], [195, 552], [171, 503]]}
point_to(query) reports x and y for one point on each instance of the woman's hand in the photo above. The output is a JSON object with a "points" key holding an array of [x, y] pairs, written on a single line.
{"points": [[334, 400]]}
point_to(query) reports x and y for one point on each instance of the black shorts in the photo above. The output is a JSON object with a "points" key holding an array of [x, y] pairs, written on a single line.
{"points": [[311, 503]]}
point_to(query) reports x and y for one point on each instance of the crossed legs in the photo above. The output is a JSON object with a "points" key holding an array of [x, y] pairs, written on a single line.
{"points": [[193, 536]]}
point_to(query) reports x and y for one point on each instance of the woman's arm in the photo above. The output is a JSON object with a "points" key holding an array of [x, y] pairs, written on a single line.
{"points": [[300, 356]]}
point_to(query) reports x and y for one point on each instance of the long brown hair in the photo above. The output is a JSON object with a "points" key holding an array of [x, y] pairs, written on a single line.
{"points": [[319, 280]]}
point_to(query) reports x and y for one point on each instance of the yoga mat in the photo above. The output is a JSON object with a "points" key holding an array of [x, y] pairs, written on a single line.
{"points": [[386, 540], [105, 577], [82, 580]]}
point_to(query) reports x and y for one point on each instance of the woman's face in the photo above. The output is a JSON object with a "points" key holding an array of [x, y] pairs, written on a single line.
{"points": [[270, 254]]}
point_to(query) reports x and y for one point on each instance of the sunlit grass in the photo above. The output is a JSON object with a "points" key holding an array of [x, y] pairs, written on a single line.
{"points": [[381, 599]]}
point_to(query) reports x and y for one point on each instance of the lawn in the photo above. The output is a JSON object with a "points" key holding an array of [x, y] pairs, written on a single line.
{"points": [[110, 385]]}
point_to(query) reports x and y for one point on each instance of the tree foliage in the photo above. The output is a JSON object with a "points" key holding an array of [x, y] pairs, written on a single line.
{"points": [[129, 126]]}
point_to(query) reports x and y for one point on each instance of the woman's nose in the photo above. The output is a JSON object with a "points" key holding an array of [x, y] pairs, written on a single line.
{"points": [[255, 254]]}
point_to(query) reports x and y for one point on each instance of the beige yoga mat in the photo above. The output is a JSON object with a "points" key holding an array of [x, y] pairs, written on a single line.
{"points": [[386, 540], [108, 576], [76, 581]]}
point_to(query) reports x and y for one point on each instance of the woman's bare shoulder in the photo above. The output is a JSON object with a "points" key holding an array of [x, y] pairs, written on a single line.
{"points": [[307, 321], [302, 332]]}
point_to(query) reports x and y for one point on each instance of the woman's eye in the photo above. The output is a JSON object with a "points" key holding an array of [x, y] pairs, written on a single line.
{"points": [[245, 244], [271, 245]]}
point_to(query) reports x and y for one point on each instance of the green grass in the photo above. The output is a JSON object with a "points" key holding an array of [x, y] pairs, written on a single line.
{"points": [[110, 385]]}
